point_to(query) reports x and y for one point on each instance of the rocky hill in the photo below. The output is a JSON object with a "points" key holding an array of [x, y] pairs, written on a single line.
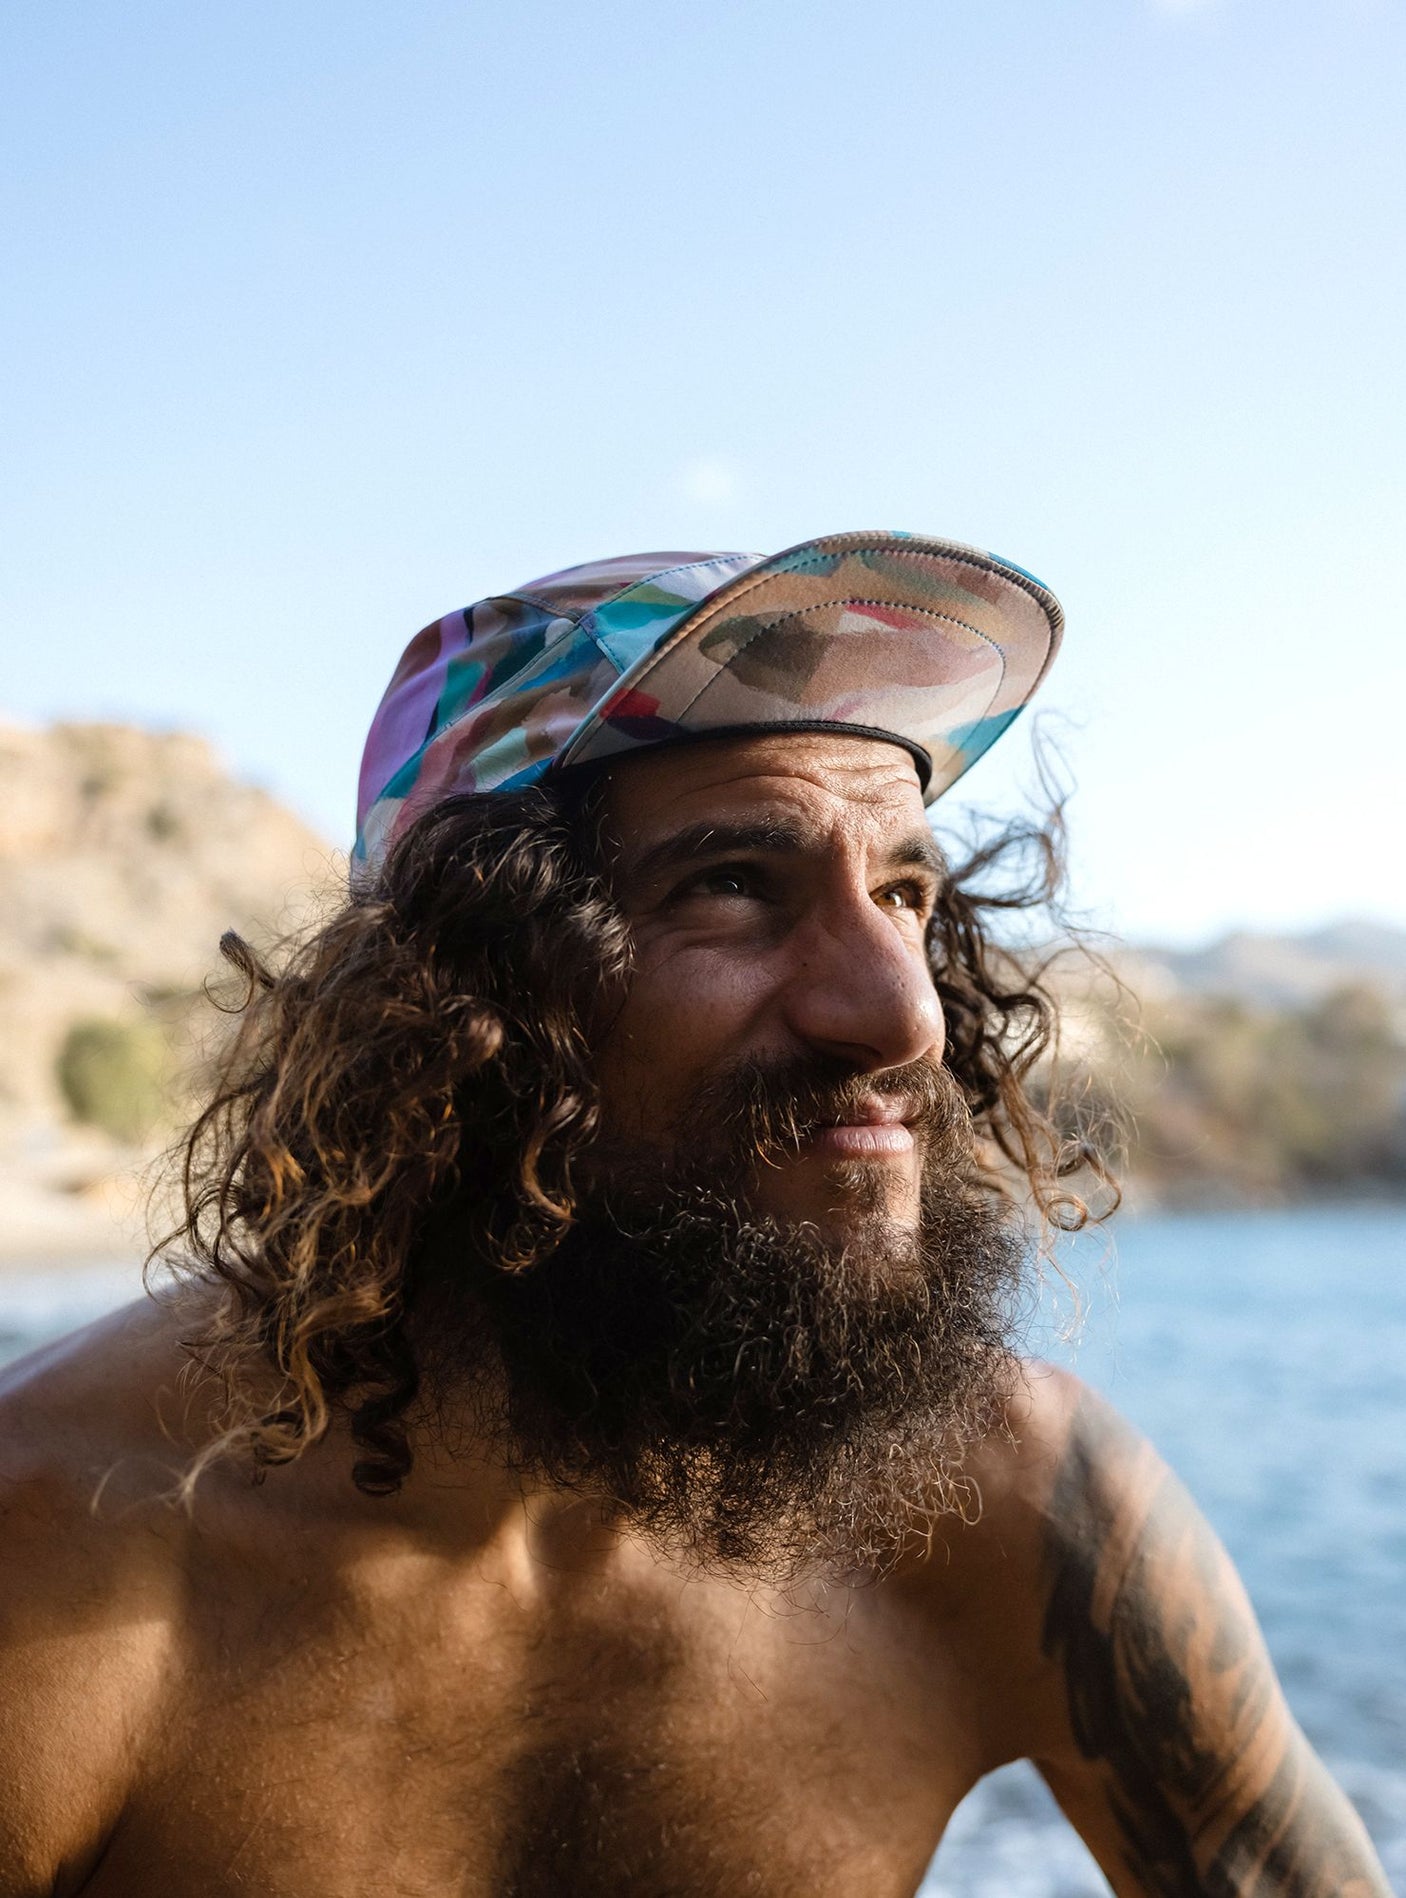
{"points": [[124, 855], [1259, 1068]]}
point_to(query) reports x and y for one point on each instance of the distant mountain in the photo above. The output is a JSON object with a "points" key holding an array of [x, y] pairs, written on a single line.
{"points": [[124, 855], [1288, 971], [1370, 945]]}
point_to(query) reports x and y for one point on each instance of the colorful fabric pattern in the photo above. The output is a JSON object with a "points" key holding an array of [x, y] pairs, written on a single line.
{"points": [[936, 645]]}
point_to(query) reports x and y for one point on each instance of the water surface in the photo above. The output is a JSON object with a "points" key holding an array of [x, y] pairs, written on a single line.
{"points": [[1265, 1355]]}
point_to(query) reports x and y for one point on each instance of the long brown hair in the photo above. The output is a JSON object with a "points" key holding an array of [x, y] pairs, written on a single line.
{"points": [[429, 1048]]}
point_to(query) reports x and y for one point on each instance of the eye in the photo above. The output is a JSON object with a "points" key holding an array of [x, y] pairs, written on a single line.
{"points": [[905, 896], [724, 879]]}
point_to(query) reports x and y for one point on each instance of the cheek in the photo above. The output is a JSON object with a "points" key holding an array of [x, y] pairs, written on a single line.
{"points": [[687, 1015]]}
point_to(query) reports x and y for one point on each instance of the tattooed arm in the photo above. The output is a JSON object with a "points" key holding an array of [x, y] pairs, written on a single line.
{"points": [[1178, 1760]]}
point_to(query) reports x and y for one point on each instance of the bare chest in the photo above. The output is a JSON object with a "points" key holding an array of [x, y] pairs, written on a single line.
{"points": [[675, 1746]]}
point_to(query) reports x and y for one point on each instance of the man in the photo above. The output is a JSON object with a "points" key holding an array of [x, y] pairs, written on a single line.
{"points": [[586, 1452]]}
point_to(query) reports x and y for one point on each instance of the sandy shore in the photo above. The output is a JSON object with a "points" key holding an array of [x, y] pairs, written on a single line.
{"points": [[72, 1205]]}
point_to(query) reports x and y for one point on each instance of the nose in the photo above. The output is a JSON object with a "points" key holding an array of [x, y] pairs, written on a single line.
{"points": [[861, 989]]}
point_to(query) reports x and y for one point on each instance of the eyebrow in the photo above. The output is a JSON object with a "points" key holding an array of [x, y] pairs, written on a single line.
{"points": [[771, 837]]}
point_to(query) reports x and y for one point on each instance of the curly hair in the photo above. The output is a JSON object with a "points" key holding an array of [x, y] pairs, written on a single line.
{"points": [[428, 1050]]}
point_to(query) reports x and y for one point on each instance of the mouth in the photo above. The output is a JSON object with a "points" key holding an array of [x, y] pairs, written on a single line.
{"points": [[873, 1129]]}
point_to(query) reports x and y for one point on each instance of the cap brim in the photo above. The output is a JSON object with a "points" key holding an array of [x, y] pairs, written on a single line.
{"points": [[931, 644]]}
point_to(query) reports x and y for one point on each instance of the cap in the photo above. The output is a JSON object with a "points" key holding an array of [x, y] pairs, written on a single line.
{"points": [[931, 645]]}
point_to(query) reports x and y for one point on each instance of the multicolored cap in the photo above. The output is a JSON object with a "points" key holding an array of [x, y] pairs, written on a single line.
{"points": [[933, 646]]}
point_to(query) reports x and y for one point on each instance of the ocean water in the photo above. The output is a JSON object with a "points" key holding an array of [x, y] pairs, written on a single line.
{"points": [[1265, 1355]]}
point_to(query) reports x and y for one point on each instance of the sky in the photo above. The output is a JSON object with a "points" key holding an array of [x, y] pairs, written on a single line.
{"points": [[325, 319]]}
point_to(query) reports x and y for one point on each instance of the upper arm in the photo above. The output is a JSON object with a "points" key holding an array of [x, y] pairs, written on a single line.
{"points": [[1176, 1756], [62, 1680], [84, 1610]]}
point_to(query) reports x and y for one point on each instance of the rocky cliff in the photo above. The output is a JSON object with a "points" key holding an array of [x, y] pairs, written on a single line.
{"points": [[124, 855], [1261, 1068]]}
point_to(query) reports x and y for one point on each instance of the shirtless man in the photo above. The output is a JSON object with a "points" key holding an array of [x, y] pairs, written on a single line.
{"points": [[606, 1466]]}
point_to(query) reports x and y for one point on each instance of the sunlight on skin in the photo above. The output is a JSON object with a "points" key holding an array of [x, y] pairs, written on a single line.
{"points": [[761, 876]]}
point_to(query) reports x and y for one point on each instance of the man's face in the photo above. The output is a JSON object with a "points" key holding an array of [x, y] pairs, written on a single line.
{"points": [[781, 1311], [778, 889]]}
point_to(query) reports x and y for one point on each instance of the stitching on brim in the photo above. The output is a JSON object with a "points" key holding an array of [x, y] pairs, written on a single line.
{"points": [[747, 583], [815, 606], [969, 557]]}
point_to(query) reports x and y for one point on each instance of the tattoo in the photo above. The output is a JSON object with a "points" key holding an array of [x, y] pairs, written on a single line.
{"points": [[1213, 1790]]}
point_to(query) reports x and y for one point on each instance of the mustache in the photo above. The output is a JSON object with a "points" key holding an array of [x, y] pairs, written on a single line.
{"points": [[742, 1386], [762, 1111]]}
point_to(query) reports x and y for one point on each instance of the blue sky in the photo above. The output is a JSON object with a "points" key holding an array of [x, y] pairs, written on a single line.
{"points": [[325, 319]]}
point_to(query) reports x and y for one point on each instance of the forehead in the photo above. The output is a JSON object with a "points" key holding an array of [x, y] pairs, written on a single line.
{"points": [[825, 780]]}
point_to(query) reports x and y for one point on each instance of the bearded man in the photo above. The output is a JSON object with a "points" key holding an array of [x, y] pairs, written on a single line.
{"points": [[586, 1450]]}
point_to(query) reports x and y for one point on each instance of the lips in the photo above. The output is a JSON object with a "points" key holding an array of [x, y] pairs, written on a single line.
{"points": [[874, 1128]]}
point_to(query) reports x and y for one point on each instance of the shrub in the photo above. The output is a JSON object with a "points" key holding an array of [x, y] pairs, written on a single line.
{"points": [[114, 1075]]}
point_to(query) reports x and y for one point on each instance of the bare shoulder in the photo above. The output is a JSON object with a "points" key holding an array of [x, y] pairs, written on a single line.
{"points": [[1017, 1465], [1012, 1477], [90, 1581], [1132, 1669]]}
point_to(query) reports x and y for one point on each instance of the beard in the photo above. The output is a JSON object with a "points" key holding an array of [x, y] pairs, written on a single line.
{"points": [[747, 1392]]}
